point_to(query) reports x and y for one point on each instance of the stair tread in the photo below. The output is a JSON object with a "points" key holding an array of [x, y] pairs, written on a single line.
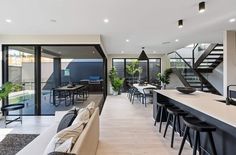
{"points": [[216, 54]]}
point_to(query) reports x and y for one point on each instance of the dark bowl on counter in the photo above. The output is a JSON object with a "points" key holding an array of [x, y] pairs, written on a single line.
{"points": [[186, 90]]}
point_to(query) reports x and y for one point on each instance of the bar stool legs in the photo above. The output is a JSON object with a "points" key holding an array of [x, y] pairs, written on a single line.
{"points": [[198, 127], [173, 131], [212, 144]]}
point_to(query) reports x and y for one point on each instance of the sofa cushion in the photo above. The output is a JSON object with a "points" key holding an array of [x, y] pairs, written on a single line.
{"points": [[91, 108], [73, 132], [67, 120], [83, 116]]}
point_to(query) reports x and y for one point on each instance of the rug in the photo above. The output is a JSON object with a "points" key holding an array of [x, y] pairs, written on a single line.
{"points": [[13, 143]]}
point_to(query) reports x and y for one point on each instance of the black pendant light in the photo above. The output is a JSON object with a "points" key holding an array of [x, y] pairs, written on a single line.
{"points": [[143, 55]]}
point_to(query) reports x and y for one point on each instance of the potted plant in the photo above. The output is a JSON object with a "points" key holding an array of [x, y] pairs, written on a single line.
{"points": [[165, 77], [116, 82], [133, 68], [7, 88]]}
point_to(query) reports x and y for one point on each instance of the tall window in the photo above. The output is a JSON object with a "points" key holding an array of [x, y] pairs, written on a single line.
{"points": [[149, 69], [119, 64], [154, 68], [21, 71]]}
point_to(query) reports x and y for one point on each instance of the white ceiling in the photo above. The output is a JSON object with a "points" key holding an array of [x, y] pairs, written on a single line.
{"points": [[146, 23]]}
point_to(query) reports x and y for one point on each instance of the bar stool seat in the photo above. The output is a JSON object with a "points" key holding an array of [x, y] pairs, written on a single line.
{"points": [[198, 126], [175, 113]]}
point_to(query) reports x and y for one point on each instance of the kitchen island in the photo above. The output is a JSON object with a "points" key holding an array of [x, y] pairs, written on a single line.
{"points": [[209, 108]]}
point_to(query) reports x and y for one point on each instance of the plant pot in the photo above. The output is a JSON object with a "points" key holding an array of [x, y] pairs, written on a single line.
{"points": [[115, 93]]}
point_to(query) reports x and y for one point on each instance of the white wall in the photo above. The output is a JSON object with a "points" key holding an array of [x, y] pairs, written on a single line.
{"points": [[229, 59]]}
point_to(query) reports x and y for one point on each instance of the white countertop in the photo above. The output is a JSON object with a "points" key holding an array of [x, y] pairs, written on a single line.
{"points": [[205, 103]]}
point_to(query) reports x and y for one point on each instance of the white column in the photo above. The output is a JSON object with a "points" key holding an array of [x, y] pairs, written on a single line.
{"points": [[229, 75]]}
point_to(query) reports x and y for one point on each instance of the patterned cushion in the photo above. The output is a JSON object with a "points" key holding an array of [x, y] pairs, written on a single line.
{"points": [[73, 132]]}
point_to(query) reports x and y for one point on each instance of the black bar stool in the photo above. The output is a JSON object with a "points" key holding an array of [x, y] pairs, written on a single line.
{"points": [[198, 126], [175, 114], [160, 109]]}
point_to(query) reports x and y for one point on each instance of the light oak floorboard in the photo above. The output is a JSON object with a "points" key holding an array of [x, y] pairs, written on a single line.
{"points": [[127, 129]]}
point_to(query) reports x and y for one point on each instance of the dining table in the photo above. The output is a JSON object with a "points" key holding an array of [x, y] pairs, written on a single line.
{"points": [[141, 87]]}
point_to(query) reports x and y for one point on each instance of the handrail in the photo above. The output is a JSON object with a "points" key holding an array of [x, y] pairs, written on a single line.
{"points": [[183, 60], [195, 73], [204, 55], [193, 54]]}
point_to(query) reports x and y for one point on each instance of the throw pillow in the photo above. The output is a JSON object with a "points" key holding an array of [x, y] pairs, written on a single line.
{"points": [[67, 120], [65, 146], [83, 116], [73, 132], [91, 108]]}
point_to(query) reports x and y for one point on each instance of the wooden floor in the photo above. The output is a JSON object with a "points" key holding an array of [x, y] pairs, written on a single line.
{"points": [[127, 129]]}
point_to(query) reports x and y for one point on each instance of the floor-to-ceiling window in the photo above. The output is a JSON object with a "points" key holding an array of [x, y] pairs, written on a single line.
{"points": [[154, 69], [21, 71], [47, 84], [149, 69]]}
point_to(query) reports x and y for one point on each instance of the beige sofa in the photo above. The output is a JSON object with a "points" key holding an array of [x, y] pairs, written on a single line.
{"points": [[85, 145]]}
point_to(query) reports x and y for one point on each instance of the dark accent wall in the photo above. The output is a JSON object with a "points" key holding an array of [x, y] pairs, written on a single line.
{"points": [[82, 70]]}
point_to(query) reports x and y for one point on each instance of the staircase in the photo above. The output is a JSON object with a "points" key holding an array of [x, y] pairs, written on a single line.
{"points": [[192, 77], [210, 59]]}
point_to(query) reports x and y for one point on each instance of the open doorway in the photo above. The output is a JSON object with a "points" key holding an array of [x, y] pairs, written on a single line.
{"points": [[43, 69]]}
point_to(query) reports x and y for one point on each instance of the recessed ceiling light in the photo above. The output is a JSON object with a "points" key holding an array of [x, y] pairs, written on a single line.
{"points": [[176, 40], [202, 7], [127, 40], [180, 23], [122, 52], [106, 20], [8, 20], [232, 20]]}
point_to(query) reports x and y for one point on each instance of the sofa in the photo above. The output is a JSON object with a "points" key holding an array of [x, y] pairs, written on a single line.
{"points": [[86, 144]]}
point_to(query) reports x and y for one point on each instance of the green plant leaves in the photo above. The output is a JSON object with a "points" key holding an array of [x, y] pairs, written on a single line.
{"points": [[116, 81], [7, 88]]}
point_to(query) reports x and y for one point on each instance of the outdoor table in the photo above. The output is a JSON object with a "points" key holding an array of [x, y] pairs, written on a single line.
{"points": [[70, 89], [12, 107]]}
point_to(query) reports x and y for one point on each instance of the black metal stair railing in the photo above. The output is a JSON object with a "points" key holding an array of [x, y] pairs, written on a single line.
{"points": [[188, 76], [211, 57]]}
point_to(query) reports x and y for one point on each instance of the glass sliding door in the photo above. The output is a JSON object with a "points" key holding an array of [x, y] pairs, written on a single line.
{"points": [[47, 84], [21, 71]]}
